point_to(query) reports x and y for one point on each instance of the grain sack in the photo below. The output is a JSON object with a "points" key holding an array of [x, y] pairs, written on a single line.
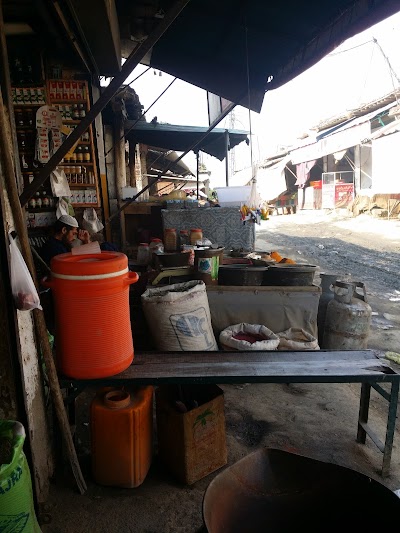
{"points": [[297, 339], [248, 337], [179, 318], [17, 512]]}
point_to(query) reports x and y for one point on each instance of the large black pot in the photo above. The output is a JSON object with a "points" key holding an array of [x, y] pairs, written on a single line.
{"points": [[241, 275], [286, 274], [278, 492]]}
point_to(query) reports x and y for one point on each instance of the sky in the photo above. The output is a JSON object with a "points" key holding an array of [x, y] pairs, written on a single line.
{"points": [[354, 73]]}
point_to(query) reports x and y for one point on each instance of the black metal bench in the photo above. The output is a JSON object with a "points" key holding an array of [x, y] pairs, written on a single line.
{"points": [[362, 366]]}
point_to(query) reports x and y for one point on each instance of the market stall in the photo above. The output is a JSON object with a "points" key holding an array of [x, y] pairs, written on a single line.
{"points": [[222, 225]]}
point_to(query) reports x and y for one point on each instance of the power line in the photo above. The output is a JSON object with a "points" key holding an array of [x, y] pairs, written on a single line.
{"points": [[349, 49], [391, 70]]}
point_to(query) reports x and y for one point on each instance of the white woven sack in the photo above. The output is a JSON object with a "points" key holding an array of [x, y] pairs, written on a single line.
{"points": [[226, 339], [297, 339], [179, 317]]}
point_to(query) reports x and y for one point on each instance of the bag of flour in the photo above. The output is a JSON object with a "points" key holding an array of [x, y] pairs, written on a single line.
{"points": [[179, 318]]}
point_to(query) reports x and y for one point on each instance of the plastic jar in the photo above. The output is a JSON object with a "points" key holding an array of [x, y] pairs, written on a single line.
{"points": [[184, 238], [188, 248], [170, 240], [144, 254], [195, 235], [156, 246]]}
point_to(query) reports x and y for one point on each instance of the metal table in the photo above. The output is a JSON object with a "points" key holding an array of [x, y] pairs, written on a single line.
{"points": [[366, 367]]}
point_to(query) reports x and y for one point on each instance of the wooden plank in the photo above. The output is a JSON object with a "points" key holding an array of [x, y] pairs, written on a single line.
{"points": [[257, 367], [263, 288], [256, 356]]}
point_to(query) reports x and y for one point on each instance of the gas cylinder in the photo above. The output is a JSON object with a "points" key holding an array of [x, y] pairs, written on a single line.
{"points": [[348, 318], [327, 282]]}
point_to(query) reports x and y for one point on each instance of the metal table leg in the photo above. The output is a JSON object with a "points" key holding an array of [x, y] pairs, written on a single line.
{"points": [[363, 412], [391, 424]]}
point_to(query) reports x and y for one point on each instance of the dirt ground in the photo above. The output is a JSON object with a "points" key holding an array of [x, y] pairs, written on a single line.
{"points": [[315, 420]]}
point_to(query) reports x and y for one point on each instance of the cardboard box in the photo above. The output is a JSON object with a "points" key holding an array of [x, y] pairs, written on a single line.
{"points": [[192, 444]]}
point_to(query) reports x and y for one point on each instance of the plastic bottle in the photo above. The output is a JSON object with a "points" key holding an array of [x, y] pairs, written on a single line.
{"points": [[170, 240], [195, 235], [184, 238], [144, 254], [156, 246]]}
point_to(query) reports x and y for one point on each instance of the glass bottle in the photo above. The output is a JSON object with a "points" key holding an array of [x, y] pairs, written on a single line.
{"points": [[38, 200], [79, 154], [75, 112], [86, 154], [45, 200], [170, 239]]}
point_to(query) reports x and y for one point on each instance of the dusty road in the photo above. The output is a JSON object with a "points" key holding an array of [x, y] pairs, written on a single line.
{"points": [[362, 249]]}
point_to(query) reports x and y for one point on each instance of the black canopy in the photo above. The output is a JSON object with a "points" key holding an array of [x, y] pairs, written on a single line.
{"points": [[212, 42], [181, 138]]}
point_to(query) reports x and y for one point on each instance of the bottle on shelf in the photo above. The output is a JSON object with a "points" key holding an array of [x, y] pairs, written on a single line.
{"points": [[19, 118], [75, 112], [86, 154], [45, 200], [79, 154], [73, 157], [38, 201], [82, 111], [30, 118], [32, 203]]}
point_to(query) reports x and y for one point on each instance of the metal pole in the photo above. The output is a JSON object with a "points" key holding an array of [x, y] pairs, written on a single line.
{"points": [[133, 60], [226, 157], [197, 172], [192, 147]]}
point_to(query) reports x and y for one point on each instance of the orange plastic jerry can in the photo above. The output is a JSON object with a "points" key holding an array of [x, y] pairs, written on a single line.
{"points": [[121, 424]]}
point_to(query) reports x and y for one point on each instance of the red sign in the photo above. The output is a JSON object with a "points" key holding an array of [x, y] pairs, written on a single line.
{"points": [[344, 194]]}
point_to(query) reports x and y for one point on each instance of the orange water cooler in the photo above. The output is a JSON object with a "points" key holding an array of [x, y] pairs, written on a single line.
{"points": [[91, 302], [121, 425]]}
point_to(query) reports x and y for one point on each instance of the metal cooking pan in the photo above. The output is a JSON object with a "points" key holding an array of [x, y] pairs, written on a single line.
{"points": [[273, 491]]}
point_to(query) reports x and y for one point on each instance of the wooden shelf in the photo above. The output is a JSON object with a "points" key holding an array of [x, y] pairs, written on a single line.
{"points": [[54, 102], [41, 210], [91, 165], [28, 105], [82, 185], [86, 205], [76, 163]]}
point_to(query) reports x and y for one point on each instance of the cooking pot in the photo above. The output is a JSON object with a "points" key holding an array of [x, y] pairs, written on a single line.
{"points": [[288, 274], [276, 491], [241, 275]]}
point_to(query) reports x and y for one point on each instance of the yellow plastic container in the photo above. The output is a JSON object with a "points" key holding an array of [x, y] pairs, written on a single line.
{"points": [[121, 423]]}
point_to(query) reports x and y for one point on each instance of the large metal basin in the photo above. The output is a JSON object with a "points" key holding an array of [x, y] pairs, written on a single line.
{"points": [[276, 491]]}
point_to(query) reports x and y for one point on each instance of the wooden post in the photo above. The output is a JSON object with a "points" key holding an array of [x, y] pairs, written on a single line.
{"points": [[5, 82], [40, 324], [120, 164]]}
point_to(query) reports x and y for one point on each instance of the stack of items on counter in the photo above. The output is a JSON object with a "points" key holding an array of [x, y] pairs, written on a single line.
{"points": [[266, 268], [187, 249], [190, 419]]}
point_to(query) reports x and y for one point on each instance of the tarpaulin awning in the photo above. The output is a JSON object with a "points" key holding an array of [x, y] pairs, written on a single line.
{"points": [[271, 180], [181, 138], [350, 133], [223, 46]]}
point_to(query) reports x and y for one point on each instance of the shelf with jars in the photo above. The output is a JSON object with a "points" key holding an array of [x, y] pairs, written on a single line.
{"points": [[71, 98], [40, 210]]}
